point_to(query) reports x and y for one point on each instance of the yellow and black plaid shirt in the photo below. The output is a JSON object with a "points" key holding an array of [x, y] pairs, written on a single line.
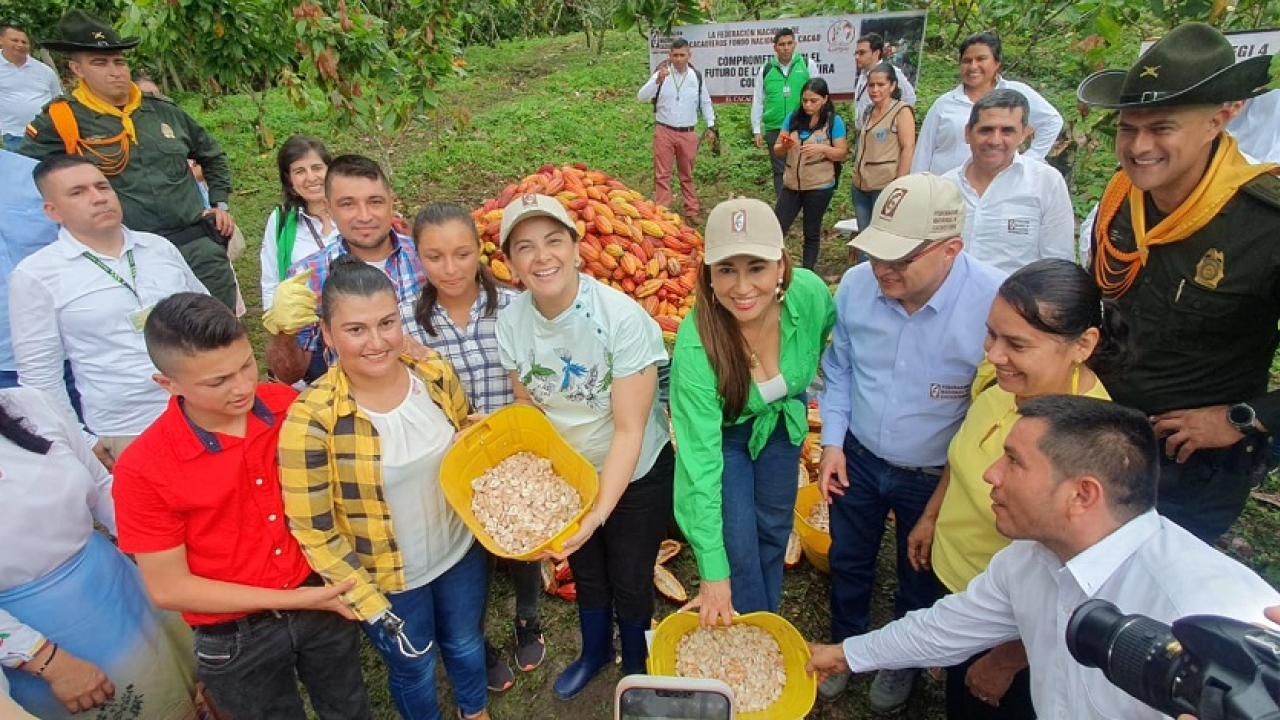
{"points": [[331, 474]]}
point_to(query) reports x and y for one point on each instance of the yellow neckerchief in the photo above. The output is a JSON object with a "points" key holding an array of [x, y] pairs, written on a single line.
{"points": [[98, 105], [1115, 269]]}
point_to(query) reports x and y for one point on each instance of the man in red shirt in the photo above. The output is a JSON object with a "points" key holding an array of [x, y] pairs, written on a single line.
{"points": [[198, 503]]}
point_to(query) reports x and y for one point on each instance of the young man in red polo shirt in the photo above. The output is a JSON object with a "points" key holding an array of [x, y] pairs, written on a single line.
{"points": [[198, 503]]}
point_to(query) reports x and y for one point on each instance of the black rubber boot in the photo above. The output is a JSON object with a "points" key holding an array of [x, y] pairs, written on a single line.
{"points": [[634, 649]]}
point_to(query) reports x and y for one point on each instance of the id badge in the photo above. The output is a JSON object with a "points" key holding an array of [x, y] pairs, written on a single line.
{"points": [[138, 318], [786, 91]]}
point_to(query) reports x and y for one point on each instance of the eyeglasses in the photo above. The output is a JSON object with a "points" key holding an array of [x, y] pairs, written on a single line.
{"points": [[902, 265]]}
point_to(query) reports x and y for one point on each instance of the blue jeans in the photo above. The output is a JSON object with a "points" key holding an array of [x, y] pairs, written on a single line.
{"points": [[857, 526], [445, 611], [757, 503], [864, 203]]}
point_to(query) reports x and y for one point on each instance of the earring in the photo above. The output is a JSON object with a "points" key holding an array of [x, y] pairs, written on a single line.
{"points": [[330, 357], [781, 292]]}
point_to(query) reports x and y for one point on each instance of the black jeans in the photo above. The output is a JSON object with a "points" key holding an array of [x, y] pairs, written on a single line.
{"points": [[777, 164], [1205, 494], [615, 567], [963, 705], [814, 205], [252, 671]]}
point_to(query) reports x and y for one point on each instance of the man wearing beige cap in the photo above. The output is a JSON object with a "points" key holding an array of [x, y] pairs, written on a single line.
{"points": [[905, 348]]}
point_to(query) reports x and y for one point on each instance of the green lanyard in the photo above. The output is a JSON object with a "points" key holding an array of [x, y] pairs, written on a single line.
{"points": [[133, 272], [679, 83]]}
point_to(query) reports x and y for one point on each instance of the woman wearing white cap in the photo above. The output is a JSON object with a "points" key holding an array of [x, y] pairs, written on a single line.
{"points": [[587, 356], [738, 376]]}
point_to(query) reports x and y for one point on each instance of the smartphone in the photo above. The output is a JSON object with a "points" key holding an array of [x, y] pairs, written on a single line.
{"points": [[652, 697]]}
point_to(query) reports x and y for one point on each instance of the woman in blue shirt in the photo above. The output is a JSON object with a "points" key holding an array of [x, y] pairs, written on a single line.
{"points": [[814, 142]]}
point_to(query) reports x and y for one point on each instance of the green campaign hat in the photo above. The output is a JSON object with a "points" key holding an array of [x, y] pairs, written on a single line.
{"points": [[81, 31], [1193, 65]]}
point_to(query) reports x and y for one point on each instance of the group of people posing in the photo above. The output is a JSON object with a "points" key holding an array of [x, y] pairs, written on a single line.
{"points": [[283, 519]]}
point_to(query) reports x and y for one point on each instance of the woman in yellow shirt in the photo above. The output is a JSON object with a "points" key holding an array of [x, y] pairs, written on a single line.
{"points": [[1048, 331]]}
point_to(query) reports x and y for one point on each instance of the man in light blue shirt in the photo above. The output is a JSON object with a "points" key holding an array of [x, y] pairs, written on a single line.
{"points": [[24, 228], [906, 345]]}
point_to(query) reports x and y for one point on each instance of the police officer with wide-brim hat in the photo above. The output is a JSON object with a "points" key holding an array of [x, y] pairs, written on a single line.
{"points": [[1184, 244], [1193, 65], [83, 32]]}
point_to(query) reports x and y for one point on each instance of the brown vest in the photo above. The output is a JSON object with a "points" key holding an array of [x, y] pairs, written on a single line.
{"points": [[875, 163], [810, 173]]}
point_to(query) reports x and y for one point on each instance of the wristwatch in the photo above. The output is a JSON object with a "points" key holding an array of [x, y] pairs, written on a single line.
{"points": [[222, 206], [1242, 417]]}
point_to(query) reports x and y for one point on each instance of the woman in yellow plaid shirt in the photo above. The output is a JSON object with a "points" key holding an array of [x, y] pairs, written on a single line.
{"points": [[360, 457]]}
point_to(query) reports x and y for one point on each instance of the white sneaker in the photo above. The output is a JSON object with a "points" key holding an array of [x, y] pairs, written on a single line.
{"points": [[890, 689]]}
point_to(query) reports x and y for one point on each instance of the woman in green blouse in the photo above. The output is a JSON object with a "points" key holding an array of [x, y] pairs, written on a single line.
{"points": [[739, 371]]}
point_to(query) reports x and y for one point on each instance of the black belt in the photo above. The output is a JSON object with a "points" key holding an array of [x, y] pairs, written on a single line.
{"points": [[229, 627], [203, 229], [677, 129], [931, 470]]}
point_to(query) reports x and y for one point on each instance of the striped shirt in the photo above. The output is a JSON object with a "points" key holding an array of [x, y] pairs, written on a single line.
{"points": [[473, 351], [402, 266], [331, 476]]}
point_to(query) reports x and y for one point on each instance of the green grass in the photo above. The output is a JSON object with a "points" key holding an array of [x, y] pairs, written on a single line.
{"points": [[526, 103]]}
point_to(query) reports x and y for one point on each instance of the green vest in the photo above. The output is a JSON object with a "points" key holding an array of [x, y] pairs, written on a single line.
{"points": [[777, 105]]}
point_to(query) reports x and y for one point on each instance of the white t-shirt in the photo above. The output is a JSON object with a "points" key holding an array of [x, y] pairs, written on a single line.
{"points": [[569, 363], [1025, 215], [414, 438]]}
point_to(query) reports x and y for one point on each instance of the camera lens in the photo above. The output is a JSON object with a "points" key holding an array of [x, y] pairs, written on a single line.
{"points": [[1137, 654]]}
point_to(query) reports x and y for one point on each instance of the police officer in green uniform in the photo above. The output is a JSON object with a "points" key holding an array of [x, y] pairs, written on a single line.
{"points": [[1186, 242], [777, 94], [141, 143]]}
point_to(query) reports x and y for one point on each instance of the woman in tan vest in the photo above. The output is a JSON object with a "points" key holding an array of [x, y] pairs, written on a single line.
{"points": [[814, 142], [885, 145]]}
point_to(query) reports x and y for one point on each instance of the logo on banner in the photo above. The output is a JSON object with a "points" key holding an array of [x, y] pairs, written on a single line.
{"points": [[841, 36]]}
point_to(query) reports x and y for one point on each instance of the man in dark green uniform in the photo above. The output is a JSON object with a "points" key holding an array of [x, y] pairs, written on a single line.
{"points": [[1185, 244], [777, 94], [141, 143]]}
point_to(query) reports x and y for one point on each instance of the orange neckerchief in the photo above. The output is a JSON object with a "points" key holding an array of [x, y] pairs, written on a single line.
{"points": [[98, 105], [1115, 269]]}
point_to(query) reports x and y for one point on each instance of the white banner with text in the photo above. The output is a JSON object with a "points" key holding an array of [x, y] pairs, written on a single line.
{"points": [[730, 55]]}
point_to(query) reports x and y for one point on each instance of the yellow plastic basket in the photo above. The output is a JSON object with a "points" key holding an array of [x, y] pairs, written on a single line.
{"points": [[815, 543], [797, 695], [513, 429]]}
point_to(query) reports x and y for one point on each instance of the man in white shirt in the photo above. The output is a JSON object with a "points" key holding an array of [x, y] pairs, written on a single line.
{"points": [[940, 142], [777, 94], [869, 52], [1076, 489], [678, 94], [26, 84], [1018, 210], [85, 297]]}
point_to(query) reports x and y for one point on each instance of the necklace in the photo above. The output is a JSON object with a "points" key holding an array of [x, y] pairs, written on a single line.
{"points": [[753, 359]]}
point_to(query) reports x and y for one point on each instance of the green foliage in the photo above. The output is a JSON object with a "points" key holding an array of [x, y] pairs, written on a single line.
{"points": [[40, 19], [648, 16]]}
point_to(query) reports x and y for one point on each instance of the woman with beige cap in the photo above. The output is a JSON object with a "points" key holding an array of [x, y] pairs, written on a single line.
{"points": [[587, 355], [739, 371]]}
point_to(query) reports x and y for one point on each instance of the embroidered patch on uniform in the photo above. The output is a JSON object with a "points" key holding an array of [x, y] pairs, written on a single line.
{"points": [[1150, 71], [880, 134], [1019, 227], [1211, 269], [738, 221], [529, 200], [938, 391], [166, 131]]}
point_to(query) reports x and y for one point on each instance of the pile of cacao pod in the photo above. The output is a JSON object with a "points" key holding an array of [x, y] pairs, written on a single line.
{"points": [[627, 242]]}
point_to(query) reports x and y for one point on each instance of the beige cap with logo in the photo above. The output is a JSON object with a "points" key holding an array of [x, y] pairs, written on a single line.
{"points": [[742, 226], [911, 210], [532, 205]]}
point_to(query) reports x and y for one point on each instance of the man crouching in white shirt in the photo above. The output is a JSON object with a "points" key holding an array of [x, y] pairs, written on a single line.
{"points": [[84, 298], [1076, 490], [1019, 210]]}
